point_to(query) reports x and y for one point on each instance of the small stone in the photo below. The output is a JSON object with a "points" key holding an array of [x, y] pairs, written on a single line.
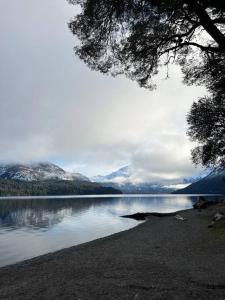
{"points": [[218, 216], [180, 218]]}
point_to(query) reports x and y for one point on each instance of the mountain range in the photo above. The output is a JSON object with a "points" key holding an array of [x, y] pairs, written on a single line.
{"points": [[126, 179], [44, 179]]}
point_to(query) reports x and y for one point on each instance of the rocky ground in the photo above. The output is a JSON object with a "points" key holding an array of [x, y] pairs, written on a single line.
{"points": [[163, 258]]}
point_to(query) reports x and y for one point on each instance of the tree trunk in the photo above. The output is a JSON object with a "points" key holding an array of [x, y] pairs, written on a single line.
{"points": [[207, 23]]}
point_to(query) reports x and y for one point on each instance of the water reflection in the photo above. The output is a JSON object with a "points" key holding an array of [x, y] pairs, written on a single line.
{"points": [[30, 227], [40, 213]]}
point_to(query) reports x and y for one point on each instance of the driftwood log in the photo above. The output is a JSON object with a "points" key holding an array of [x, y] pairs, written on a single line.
{"points": [[142, 216]]}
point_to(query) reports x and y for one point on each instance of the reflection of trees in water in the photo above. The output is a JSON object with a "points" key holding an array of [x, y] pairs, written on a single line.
{"points": [[44, 213], [33, 218]]}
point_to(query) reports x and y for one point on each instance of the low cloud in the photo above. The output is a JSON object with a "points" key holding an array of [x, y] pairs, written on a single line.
{"points": [[168, 159]]}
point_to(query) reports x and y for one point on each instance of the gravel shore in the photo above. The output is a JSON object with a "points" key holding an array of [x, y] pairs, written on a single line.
{"points": [[163, 258]]}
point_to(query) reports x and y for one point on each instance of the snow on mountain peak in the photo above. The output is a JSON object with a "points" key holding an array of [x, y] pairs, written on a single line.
{"points": [[37, 171]]}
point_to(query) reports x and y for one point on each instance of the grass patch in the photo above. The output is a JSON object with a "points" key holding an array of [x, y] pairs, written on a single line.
{"points": [[219, 228]]}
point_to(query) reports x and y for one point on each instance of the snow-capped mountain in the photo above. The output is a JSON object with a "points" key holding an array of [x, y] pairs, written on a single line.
{"points": [[37, 172], [126, 179], [122, 173]]}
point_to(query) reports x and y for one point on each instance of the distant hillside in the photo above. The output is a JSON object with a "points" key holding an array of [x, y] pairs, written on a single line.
{"points": [[37, 172], [10, 187], [214, 183]]}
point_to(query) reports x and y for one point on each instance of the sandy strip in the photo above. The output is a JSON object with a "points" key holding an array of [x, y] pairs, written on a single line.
{"points": [[163, 258]]}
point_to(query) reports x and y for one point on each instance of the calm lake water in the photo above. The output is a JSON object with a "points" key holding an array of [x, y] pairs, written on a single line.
{"points": [[31, 227]]}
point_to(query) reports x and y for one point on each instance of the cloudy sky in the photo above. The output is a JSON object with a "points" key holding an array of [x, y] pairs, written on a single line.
{"points": [[53, 108]]}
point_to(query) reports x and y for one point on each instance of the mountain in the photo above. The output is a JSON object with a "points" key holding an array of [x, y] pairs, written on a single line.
{"points": [[213, 183], [37, 172], [122, 173], [126, 179], [43, 179]]}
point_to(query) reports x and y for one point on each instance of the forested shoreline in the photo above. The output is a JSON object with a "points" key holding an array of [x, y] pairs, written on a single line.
{"points": [[52, 187]]}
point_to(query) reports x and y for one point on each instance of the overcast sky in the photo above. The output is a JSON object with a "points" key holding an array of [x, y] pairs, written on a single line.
{"points": [[53, 108]]}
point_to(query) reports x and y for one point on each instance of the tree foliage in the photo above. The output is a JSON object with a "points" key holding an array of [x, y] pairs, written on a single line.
{"points": [[137, 37], [206, 118]]}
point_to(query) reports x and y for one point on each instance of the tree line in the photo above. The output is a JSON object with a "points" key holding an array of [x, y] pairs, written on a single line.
{"points": [[51, 188]]}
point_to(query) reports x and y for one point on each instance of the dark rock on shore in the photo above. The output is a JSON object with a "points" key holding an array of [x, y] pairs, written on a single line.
{"points": [[203, 203]]}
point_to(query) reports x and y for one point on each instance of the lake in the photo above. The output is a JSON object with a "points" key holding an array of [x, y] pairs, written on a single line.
{"points": [[33, 226]]}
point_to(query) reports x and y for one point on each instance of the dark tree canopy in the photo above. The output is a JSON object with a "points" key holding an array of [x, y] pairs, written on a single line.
{"points": [[207, 127], [137, 37], [206, 118]]}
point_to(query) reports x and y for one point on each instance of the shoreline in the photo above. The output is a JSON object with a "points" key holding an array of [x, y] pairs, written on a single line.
{"points": [[162, 258], [108, 196]]}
